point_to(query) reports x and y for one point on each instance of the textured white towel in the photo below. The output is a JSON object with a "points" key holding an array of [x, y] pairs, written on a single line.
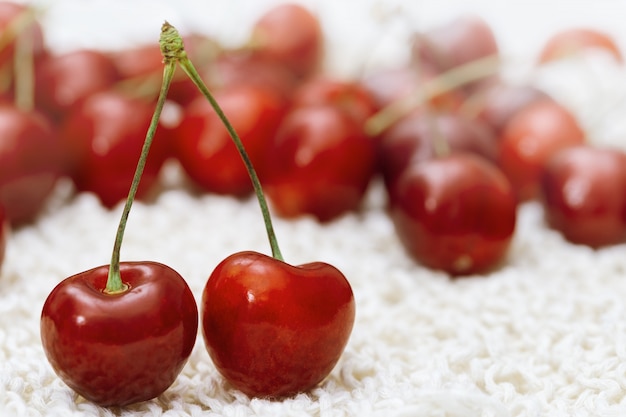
{"points": [[545, 335]]}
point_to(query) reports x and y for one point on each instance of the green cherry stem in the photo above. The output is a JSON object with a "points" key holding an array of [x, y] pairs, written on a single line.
{"points": [[173, 49], [114, 283]]}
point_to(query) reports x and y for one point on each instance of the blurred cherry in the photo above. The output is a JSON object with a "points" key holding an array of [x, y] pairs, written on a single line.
{"points": [[455, 213], [205, 149], [572, 41], [424, 135], [63, 80], [583, 191], [320, 163], [530, 138], [292, 34], [30, 162], [103, 136], [21, 21]]}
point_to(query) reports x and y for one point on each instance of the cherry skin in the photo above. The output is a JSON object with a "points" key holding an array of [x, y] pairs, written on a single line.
{"points": [[583, 192], [420, 136], [530, 138], [272, 329], [578, 40], [30, 162], [63, 80], [103, 136], [204, 147], [455, 213], [124, 348], [320, 163], [291, 34]]}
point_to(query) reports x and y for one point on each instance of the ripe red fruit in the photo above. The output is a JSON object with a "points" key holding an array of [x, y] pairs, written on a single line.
{"points": [[122, 348], [320, 163], [532, 136], [65, 79], [30, 162], [496, 103], [424, 135], [103, 136], [291, 34], [204, 147], [455, 213], [273, 329], [578, 40], [583, 191]]}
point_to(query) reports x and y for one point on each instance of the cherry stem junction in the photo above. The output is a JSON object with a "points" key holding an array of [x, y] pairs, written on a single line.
{"points": [[173, 49], [114, 282]]}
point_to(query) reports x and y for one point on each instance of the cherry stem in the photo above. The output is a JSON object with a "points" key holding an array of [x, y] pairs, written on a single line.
{"points": [[23, 62], [173, 49], [448, 81], [114, 282]]}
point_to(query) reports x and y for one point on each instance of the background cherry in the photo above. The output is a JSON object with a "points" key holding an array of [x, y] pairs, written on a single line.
{"points": [[291, 34], [320, 163], [204, 147], [577, 40], [530, 137], [103, 136], [455, 213], [30, 162], [583, 190]]}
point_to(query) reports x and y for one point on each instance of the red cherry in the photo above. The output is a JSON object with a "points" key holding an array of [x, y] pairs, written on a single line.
{"points": [[273, 329], [30, 162], [290, 33], [234, 68], [320, 163], [63, 80], [351, 96], [459, 41], [204, 147], [577, 40], [496, 103], [531, 137], [455, 213], [119, 349], [422, 135], [103, 136], [584, 195]]}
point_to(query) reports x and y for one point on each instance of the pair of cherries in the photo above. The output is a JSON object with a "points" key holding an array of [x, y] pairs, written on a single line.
{"points": [[121, 333]]}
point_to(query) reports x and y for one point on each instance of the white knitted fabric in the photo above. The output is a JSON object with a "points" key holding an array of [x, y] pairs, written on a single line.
{"points": [[544, 335]]}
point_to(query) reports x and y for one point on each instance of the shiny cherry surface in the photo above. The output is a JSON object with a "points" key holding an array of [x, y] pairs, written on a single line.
{"points": [[455, 213], [583, 191], [119, 349], [273, 329]]}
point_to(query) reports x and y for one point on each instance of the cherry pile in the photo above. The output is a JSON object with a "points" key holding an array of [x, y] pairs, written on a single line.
{"points": [[457, 147]]}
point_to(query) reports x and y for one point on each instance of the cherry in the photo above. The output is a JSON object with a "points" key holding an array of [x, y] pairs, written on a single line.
{"points": [[497, 102], [291, 34], [455, 213], [320, 163], [274, 329], [532, 136], [351, 96], [237, 67], [454, 43], [30, 162], [102, 136], [568, 42], [121, 333], [204, 147], [583, 190], [426, 134], [65, 79], [19, 21], [270, 328]]}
